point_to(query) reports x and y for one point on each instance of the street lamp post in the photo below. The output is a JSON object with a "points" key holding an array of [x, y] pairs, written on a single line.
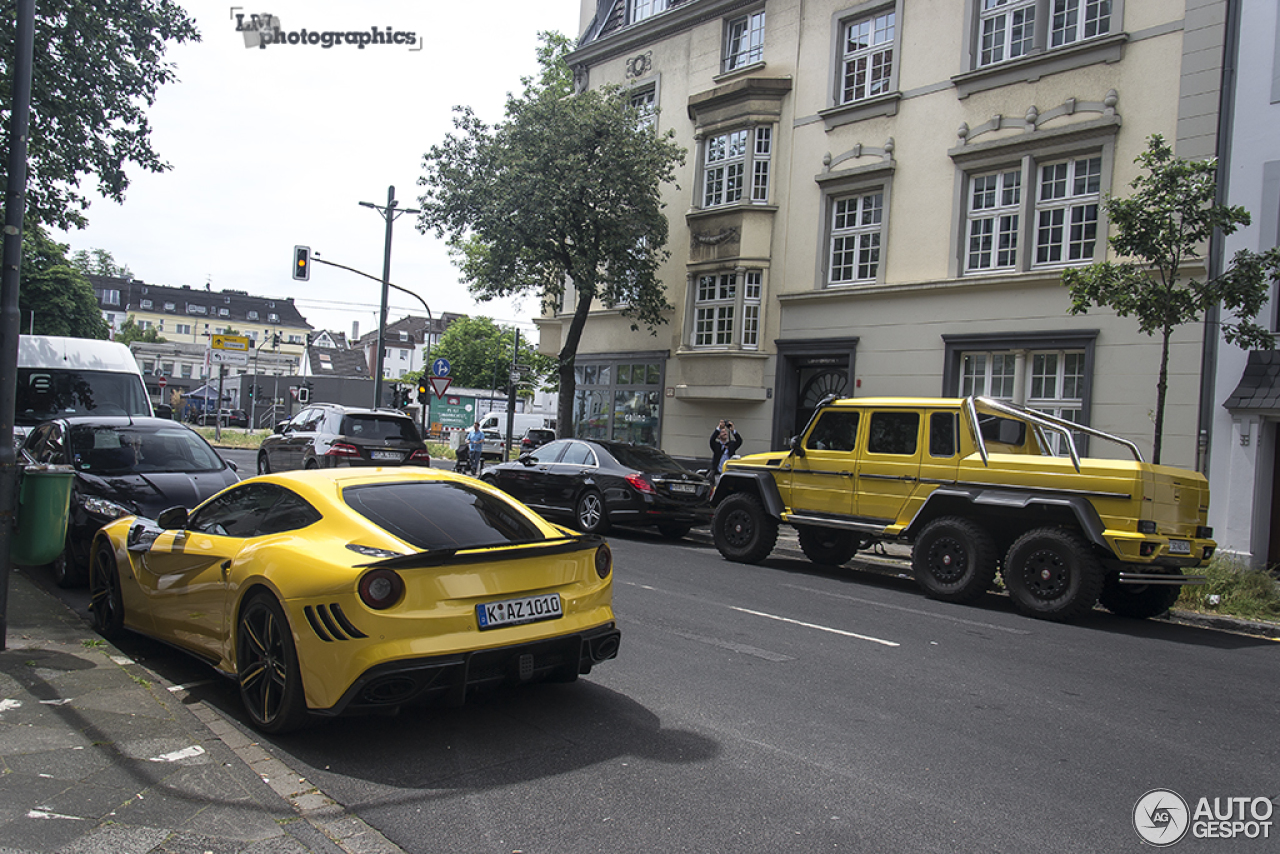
{"points": [[389, 213]]}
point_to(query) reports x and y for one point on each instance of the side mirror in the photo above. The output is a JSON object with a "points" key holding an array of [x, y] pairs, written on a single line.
{"points": [[797, 447], [528, 459], [175, 518], [279, 428], [231, 465]]}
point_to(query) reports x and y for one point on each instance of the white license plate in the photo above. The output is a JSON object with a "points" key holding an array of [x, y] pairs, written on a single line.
{"points": [[386, 455], [683, 487], [513, 612], [1179, 547]]}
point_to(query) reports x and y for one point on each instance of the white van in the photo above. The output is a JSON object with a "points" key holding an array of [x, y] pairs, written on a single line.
{"points": [[523, 421], [75, 376]]}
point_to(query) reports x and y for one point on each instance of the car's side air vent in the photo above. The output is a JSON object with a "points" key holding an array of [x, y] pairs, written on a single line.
{"points": [[330, 624]]}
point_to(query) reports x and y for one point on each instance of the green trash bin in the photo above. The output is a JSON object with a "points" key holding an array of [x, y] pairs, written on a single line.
{"points": [[40, 525]]}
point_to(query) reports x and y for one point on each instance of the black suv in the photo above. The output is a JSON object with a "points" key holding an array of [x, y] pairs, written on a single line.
{"points": [[536, 437], [328, 435]]}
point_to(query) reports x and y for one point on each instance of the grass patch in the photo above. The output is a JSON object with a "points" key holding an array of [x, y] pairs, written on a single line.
{"points": [[1250, 594], [234, 437]]}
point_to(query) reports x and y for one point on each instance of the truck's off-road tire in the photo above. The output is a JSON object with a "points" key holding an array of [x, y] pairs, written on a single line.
{"points": [[1051, 574], [954, 559], [1139, 601], [743, 531], [829, 547]]}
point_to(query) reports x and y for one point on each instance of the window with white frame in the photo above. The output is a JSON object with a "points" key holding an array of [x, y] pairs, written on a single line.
{"points": [[728, 158], [856, 223], [1057, 216], [644, 99], [1067, 211], [727, 309], [1007, 30], [1044, 371], [638, 10], [751, 310], [146, 304], [1011, 29], [995, 201], [866, 68], [713, 310], [1074, 20], [182, 329], [744, 41]]}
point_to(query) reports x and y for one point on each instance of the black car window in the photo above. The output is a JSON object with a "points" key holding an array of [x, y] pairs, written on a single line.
{"points": [[45, 445], [107, 450], [836, 430], [379, 427], [893, 433], [237, 512], [578, 454], [290, 513], [550, 453], [644, 458], [434, 515]]}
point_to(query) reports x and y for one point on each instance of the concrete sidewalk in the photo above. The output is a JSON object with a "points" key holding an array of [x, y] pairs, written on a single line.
{"points": [[96, 755]]}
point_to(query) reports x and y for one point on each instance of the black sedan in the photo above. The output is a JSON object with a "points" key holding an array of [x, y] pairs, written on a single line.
{"points": [[595, 484], [123, 466]]}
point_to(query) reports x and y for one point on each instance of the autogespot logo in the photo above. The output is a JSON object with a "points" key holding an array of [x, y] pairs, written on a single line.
{"points": [[1160, 817]]}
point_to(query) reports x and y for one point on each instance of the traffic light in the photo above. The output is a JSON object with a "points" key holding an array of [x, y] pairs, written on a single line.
{"points": [[302, 263], [251, 392], [424, 393]]}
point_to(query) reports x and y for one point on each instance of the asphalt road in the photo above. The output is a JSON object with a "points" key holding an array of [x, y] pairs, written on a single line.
{"points": [[785, 707]]}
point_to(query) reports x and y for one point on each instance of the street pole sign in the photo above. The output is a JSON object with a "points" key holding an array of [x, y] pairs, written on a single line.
{"points": [[441, 367], [439, 385], [235, 343]]}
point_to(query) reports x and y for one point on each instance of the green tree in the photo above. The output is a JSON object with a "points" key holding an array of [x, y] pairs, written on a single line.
{"points": [[479, 354], [561, 199], [60, 296], [1162, 227], [99, 262], [98, 65], [130, 331]]}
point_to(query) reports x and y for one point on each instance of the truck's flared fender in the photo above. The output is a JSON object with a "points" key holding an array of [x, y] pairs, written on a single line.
{"points": [[759, 484], [951, 501]]}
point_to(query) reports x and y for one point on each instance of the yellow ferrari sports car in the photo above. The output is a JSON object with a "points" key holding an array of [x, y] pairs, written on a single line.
{"points": [[358, 589]]}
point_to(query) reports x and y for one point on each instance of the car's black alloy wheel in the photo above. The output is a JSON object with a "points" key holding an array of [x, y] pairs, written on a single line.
{"points": [[105, 600], [267, 667]]}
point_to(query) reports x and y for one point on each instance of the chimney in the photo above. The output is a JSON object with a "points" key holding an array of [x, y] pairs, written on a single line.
{"points": [[355, 332]]}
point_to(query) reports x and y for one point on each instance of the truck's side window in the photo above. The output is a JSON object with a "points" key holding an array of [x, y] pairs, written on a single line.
{"points": [[893, 433], [836, 430], [942, 434]]}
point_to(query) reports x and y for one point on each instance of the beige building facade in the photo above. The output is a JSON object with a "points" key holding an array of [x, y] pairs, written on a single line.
{"points": [[879, 198]]}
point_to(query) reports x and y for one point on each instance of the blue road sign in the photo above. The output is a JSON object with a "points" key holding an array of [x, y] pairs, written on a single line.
{"points": [[440, 367]]}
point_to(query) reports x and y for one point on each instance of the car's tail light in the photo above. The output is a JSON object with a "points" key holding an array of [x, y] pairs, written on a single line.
{"points": [[604, 561], [381, 588], [342, 449], [420, 456], [637, 480]]}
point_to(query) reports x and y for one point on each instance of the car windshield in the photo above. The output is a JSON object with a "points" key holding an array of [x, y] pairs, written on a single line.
{"points": [[110, 450], [46, 394], [378, 427], [434, 515], [644, 458]]}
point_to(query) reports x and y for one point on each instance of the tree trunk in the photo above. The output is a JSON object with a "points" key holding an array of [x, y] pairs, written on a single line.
{"points": [[568, 353], [1162, 388]]}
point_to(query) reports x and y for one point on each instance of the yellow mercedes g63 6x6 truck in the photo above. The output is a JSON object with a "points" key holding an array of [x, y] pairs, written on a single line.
{"points": [[976, 485]]}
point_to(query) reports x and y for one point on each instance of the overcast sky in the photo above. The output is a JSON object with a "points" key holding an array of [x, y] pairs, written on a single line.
{"points": [[278, 146]]}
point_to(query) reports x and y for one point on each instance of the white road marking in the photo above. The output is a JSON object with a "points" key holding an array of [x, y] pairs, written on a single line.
{"points": [[842, 632], [918, 611]]}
